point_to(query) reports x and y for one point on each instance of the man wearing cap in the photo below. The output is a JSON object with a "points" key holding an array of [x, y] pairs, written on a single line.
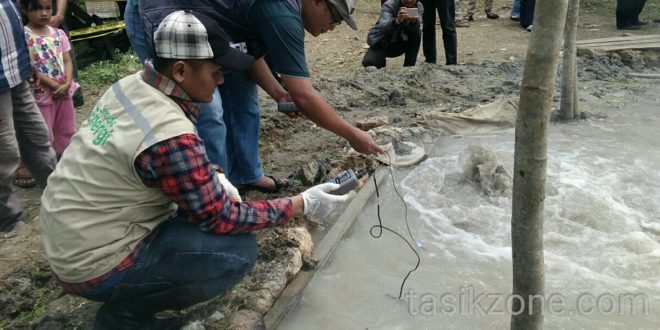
{"points": [[276, 27], [135, 215]]}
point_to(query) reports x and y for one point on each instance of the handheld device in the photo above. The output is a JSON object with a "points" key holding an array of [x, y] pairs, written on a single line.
{"points": [[347, 181], [412, 12], [287, 107]]}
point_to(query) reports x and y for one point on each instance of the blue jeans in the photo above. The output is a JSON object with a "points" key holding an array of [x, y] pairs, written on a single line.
{"points": [[210, 127], [181, 266], [241, 104], [135, 31], [515, 9]]}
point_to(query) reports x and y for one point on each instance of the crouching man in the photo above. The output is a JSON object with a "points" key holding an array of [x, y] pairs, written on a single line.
{"points": [[135, 215], [397, 32]]}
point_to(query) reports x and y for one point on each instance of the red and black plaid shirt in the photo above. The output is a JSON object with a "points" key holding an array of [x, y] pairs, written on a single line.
{"points": [[180, 168]]}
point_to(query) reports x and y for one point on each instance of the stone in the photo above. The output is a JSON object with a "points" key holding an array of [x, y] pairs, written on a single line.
{"points": [[300, 238], [373, 122], [246, 320]]}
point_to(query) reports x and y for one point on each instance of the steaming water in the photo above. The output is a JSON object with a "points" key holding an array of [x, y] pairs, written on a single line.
{"points": [[602, 234]]}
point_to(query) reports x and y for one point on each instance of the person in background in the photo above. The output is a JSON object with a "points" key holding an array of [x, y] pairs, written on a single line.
{"points": [[472, 6], [446, 11], [458, 13], [627, 14], [23, 133], [134, 30], [135, 200], [515, 11], [58, 20], [49, 54], [210, 126], [276, 27], [395, 33]]}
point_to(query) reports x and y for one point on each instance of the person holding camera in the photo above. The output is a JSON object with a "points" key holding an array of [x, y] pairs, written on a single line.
{"points": [[396, 32]]}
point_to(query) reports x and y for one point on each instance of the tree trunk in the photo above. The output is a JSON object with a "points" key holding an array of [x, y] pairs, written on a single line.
{"points": [[531, 160], [569, 108]]}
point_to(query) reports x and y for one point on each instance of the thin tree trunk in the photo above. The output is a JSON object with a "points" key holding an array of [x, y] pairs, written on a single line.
{"points": [[530, 162], [569, 108]]}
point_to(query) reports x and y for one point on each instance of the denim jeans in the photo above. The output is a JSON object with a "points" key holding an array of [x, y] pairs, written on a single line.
{"points": [[135, 31], [179, 267], [241, 104], [515, 9], [210, 126]]}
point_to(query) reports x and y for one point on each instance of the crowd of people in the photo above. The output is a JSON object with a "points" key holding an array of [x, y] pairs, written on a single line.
{"points": [[151, 183]]}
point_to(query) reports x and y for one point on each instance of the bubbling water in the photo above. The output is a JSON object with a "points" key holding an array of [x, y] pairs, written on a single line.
{"points": [[601, 233]]}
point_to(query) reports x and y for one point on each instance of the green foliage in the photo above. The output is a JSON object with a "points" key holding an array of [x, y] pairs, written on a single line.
{"points": [[104, 73]]}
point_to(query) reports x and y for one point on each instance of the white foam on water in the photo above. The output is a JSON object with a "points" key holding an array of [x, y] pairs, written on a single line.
{"points": [[601, 232]]}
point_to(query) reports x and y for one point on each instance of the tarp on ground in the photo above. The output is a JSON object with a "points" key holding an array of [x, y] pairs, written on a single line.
{"points": [[497, 115]]}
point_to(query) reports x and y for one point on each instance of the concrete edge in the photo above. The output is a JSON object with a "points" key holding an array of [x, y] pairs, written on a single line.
{"points": [[292, 293]]}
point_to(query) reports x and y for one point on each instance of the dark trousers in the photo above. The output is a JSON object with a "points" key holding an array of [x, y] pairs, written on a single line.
{"points": [[181, 266], [377, 54], [446, 12], [627, 12]]}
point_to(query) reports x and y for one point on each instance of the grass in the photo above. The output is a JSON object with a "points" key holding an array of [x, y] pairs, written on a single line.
{"points": [[104, 73]]}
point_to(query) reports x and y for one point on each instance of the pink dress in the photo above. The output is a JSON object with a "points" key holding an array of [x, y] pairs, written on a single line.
{"points": [[47, 56]]}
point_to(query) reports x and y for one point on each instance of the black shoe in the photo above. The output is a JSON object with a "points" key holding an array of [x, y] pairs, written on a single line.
{"points": [[11, 225], [641, 23], [630, 27]]}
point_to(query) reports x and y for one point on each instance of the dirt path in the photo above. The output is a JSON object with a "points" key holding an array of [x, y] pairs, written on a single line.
{"points": [[492, 54]]}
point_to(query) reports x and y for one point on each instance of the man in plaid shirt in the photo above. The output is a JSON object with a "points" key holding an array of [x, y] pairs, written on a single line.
{"points": [[135, 215]]}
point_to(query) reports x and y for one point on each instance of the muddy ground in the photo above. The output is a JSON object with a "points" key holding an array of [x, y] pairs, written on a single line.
{"points": [[491, 53]]}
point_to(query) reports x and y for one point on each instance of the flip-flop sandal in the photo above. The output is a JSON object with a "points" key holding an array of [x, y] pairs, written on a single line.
{"points": [[23, 180], [492, 15], [279, 185]]}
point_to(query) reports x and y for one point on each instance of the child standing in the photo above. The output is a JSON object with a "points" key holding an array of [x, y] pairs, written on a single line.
{"points": [[49, 54]]}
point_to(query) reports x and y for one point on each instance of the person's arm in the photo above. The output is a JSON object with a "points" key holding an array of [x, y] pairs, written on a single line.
{"points": [[63, 89], [284, 36], [57, 19], [261, 73], [179, 167], [313, 106], [388, 18], [47, 81]]}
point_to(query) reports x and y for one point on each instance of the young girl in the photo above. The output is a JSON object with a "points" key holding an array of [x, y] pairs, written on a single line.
{"points": [[49, 54]]}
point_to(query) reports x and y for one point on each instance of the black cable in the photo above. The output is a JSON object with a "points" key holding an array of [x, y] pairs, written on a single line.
{"points": [[405, 206], [381, 227]]}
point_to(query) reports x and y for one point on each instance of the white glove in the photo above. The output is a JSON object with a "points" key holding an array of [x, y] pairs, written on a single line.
{"points": [[317, 201], [231, 191]]}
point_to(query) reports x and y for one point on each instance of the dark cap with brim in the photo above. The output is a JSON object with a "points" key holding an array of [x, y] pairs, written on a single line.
{"points": [[345, 8], [188, 35]]}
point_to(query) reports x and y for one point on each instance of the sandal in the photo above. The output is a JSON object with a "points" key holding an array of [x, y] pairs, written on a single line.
{"points": [[23, 178], [492, 15], [279, 185]]}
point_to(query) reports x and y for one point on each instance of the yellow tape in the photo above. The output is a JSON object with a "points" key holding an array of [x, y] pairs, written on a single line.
{"points": [[104, 29]]}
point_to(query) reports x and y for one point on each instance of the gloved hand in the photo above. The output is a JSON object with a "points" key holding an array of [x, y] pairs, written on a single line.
{"points": [[231, 191], [317, 201]]}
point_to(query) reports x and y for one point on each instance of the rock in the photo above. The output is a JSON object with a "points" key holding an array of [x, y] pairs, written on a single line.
{"points": [[307, 173], [260, 301], [197, 325], [314, 172], [300, 238], [246, 320], [373, 122]]}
